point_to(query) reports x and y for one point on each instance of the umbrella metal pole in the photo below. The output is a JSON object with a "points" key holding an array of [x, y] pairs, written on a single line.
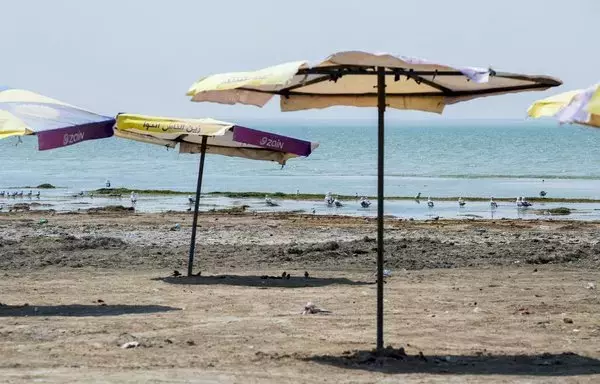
{"points": [[197, 205], [380, 163]]}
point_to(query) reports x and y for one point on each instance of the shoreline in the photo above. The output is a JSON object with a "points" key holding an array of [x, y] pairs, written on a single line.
{"points": [[320, 196]]}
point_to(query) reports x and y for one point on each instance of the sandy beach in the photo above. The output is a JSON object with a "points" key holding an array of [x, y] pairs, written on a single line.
{"points": [[468, 300]]}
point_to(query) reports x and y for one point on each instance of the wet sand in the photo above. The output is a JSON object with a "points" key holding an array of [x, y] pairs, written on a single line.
{"points": [[486, 300]]}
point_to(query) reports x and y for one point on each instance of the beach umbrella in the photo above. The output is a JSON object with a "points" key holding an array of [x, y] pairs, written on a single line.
{"points": [[361, 79], [581, 106], [56, 124], [213, 137]]}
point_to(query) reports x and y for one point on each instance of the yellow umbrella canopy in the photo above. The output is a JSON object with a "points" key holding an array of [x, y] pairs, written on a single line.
{"points": [[222, 138], [55, 123], [581, 106], [362, 79]]}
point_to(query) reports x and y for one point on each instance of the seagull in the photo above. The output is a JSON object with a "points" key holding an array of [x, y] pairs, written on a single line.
{"points": [[542, 193], [270, 202], [37, 195], [30, 194], [133, 198], [191, 200], [329, 199], [525, 203], [418, 196], [364, 202], [493, 204], [337, 203], [107, 183], [313, 211], [20, 194], [2, 194], [461, 202], [429, 202]]}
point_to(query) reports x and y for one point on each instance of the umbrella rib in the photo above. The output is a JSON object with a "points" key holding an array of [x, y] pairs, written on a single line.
{"points": [[419, 79], [307, 83], [408, 74], [425, 94], [541, 80]]}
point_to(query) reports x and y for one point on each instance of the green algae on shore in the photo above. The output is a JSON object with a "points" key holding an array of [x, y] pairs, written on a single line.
{"points": [[124, 191], [319, 196], [559, 211]]}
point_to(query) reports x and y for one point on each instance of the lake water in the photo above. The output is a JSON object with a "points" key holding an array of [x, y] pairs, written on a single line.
{"points": [[437, 158]]}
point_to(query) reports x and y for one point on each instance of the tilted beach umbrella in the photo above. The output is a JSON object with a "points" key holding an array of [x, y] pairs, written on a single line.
{"points": [[56, 124], [362, 79], [581, 106], [210, 136]]}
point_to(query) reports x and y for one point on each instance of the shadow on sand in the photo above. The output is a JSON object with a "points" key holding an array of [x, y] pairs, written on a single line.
{"points": [[261, 281], [395, 361], [79, 310]]}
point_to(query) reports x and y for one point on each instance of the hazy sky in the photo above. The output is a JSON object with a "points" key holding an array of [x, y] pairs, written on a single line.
{"points": [[140, 56]]}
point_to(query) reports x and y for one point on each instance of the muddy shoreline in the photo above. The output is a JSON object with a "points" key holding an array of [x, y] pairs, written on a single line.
{"points": [[229, 242]]}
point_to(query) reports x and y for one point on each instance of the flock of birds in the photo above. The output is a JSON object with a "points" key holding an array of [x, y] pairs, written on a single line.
{"points": [[15, 195], [521, 201], [20, 194], [330, 199], [333, 201]]}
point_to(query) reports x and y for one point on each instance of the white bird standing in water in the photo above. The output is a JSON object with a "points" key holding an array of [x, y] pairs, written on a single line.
{"points": [[191, 199], [30, 193], [270, 202], [493, 204], [329, 199], [337, 203], [107, 183], [133, 198], [519, 202], [524, 202], [429, 202], [364, 202], [461, 202]]}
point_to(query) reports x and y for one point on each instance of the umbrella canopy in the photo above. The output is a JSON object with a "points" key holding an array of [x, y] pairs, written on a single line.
{"points": [[347, 78], [56, 124], [362, 79], [210, 136], [581, 106], [223, 138]]}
